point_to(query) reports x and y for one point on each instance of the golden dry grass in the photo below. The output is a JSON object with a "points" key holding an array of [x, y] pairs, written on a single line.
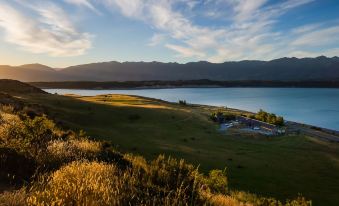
{"points": [[79, 183], [14, 198], [119, 100], [73, 148]]}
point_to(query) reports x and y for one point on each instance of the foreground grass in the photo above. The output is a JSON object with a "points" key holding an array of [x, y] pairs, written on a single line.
{"points": [[50, 166], [280, 167]]}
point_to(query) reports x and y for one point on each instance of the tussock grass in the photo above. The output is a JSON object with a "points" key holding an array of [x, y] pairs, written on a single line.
{"points": [[14, 198], [65, 168]]}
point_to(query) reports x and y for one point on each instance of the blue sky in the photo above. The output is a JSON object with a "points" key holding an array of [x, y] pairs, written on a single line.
{"points": [[61, 33]]}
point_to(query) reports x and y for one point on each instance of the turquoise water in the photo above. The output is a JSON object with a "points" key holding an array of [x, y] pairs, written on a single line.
{"points": [[318, 107]]}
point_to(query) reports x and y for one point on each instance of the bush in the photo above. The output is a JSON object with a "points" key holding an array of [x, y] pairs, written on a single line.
{"points": [[27, 135], [217, 181], [60, 152], [15, 168], [269, 118], [134, 117], [183, 102], [14, 198], [222, 116], [79, 183]]}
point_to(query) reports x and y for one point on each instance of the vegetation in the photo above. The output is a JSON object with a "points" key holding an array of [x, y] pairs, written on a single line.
{"points": [[222, 116], [268, 117], [182, 102], [254, 163], [66, 168]]}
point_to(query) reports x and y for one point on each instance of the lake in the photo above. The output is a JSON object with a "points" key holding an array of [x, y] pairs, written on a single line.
{"points": [[319, 107]]}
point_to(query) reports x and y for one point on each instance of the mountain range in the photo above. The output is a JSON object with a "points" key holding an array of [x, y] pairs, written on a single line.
{"points": [[284, 69]]}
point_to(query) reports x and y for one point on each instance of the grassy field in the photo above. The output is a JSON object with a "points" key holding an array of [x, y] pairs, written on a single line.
{"points": [[280, 167]]}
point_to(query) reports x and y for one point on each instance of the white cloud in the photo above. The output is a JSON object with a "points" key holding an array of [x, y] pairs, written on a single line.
{"points": [[85, 3], [185, 52], [245, 9], [306, 28], [130, 8], [326, 52], [320, 37], [156, 39], [248, 36], [51, 33], [245, 28]]}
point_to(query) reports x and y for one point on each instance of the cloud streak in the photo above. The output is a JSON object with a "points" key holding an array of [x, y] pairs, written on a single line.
{"points": [[84, 3], [229, 30], [249, 35], [50, 33]]}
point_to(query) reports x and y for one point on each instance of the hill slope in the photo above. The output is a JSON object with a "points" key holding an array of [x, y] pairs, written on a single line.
{"points": [[151, 127], [284, 69], [16, 87]]}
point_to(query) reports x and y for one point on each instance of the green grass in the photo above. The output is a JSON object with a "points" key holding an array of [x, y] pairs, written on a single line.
{"points": [[280, 167]]}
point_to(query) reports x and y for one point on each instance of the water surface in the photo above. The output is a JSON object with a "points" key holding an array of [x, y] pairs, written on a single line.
{"points": [[318, 107]]}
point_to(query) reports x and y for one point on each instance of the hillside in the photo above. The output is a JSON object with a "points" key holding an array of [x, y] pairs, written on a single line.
{"points": [[150, 127], [17, 87], [284, 69], [41, 164]]}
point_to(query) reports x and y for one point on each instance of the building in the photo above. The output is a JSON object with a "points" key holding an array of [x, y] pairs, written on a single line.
{"points": [[253, 123]]}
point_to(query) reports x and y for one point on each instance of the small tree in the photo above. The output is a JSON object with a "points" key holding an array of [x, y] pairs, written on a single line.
{"points": [[182, 102], [217, 181]]}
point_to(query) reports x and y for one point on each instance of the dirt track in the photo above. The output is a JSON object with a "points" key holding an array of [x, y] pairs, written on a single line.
{"points": [[326, 135]]}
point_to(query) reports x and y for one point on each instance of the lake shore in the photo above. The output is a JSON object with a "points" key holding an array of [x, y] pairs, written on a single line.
{"points": [[184, 84]]}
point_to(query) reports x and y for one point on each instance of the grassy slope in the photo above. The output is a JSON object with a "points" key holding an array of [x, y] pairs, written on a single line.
{"points": [[280, 167]]}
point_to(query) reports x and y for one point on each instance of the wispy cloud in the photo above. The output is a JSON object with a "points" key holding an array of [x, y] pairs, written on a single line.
{"points": [[84, 3], [50, 33], [240, 29], [156, 39], [319, 37], [245, 9], [185, 52], [249, 34]]}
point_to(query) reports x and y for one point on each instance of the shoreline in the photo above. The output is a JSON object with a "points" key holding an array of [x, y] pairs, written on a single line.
{"points": [[90, 85], [187, 87], [327, 134]]}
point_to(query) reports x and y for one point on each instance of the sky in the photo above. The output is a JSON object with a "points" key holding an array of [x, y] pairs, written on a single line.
{"points": [[61, 33]]}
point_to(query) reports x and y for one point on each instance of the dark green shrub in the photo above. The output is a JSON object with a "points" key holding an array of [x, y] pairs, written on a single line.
{"points": [[217, 181], [269, 118], [15, 168], [134, 117], [183, 102]]}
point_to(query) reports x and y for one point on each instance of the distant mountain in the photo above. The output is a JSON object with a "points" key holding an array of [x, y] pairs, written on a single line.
{"points": [[283, 69], [37, 67]]}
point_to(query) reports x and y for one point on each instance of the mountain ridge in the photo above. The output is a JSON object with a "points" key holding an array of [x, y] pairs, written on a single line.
{"points": [[283, 69]]}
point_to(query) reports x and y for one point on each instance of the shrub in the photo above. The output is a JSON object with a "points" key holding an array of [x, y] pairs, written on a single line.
{"points": [[264, 201], [162, 182], [299, 201], [269, 118], [222, 116], [183, 102], [27, 135], [73, 149], [60, 152], [217, 181], [174, 177], [79, 183], [15, 168], [14, 198], [134, 117]]}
